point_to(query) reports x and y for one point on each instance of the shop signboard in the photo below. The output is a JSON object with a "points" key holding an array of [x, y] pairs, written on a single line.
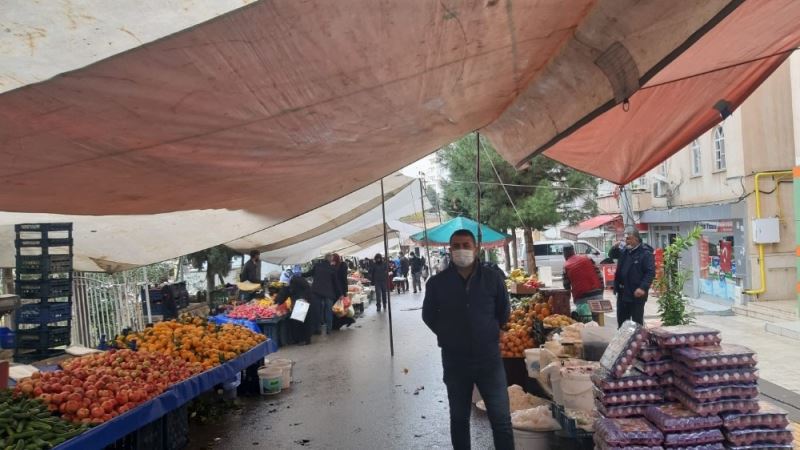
{"points": [[721, 226]]}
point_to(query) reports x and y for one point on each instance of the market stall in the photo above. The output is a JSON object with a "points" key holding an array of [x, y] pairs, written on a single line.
{"points": [[656, 387], [103, 397]]}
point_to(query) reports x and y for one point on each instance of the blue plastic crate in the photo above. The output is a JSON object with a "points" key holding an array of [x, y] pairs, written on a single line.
{"points": [[43, 337], [44, 264], [42, 313], [45, 290], [6, 338]]}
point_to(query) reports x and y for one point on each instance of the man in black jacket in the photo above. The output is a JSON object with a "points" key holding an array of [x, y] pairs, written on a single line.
{"points": [[465, 306], [635, 272], [417, 263], [324, 292], [297, 289]]}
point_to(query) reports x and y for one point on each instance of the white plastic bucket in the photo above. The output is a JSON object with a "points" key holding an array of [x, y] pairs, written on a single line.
{"points": [[270, 380], [576, 389], [285, 365], [531, 440]]}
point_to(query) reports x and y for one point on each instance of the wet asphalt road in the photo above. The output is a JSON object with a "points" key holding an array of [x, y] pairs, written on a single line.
{"points": [[349, 393]]}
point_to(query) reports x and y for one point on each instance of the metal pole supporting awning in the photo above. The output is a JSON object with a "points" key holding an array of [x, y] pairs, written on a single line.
{"points": [[386, 259]]}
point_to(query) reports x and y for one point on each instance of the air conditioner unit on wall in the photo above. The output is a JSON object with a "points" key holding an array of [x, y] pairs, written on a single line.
{"points": [[660, 189]]}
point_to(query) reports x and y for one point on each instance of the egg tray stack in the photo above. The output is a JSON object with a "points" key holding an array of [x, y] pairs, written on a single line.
{"points": [[619, 390], [709, 393]]}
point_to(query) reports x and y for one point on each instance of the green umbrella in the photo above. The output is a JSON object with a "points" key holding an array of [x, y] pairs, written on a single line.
{"points": [[440, 234]]}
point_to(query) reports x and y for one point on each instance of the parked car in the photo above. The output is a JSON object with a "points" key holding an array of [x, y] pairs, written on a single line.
{"points": [[551, 253]]}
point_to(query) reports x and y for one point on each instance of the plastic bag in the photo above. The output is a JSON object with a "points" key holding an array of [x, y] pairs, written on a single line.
{"points": [[351, 312], [631, 380], [621, 411], [623, 348], [608, 398], [339, 308], [715, 377], [300, 310], [534, 419], [625, 432], [714, 393], [674, 417], [711, 408], [692, 438], [685, 336], [654, 368], [722, 356], [767, 416], [752, 436]]}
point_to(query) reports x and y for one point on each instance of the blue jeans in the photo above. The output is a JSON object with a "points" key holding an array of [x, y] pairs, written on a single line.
{"points": [[327, 313], [490, 377]]}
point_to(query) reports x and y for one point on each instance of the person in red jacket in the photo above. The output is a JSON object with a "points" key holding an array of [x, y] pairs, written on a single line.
{"points": [[582, 277]]}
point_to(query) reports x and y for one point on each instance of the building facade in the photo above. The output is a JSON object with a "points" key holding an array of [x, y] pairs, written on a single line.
{"points": [[711, 183]]}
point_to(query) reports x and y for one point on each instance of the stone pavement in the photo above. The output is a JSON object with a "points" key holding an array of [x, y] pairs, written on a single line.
{"points": [[350, 393]]}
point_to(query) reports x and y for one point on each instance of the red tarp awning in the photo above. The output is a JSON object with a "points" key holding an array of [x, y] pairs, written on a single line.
{"points": [[281, 106], [591, 224], [677, 105]]}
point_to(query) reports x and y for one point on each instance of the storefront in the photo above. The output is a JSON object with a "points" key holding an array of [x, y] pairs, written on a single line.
{"points": [[717, 261]]}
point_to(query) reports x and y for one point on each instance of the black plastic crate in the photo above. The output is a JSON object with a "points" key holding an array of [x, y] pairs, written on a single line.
{"points": [[149, 437], [44, 264], [43, 227], [45, 290], [38, 313], [42, 337], [30, 356], [176, 429]]}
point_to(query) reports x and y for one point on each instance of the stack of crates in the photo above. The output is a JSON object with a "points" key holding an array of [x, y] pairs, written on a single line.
{"points": [[43, 322]]}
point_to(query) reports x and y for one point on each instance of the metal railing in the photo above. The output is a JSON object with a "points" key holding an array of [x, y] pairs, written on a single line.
{"points": [[102, 308]]}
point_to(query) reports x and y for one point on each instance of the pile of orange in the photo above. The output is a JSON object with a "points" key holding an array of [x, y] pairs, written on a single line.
{"points": [[194, 340], [541, 310], [517, 335]]}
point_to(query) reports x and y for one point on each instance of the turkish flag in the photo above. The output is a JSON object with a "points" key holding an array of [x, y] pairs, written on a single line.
{"points": [[725, 256]]}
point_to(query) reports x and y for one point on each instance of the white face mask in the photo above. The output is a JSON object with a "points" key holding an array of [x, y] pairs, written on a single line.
{"points": [[463, 258]]}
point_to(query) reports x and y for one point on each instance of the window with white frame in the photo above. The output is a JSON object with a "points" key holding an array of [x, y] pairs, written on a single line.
{"points": [[719, 149], [697, 160]]}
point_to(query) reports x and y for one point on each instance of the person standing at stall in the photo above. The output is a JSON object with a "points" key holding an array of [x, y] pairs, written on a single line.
{"points": [[635, 273], [465, 306], [377, 275], [417, 264], [405, 266], [583, 278], [324, 291], [298, 288], [340, 267]]}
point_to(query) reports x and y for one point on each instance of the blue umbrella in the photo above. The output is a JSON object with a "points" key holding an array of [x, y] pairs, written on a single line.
{"points": [[440, 234]]}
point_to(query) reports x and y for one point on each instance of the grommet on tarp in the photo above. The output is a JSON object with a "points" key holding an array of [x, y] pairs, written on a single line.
{"points": [[724, 108], [626, 105]]}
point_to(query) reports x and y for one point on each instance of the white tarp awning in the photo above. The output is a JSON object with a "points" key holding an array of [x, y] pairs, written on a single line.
{"points": [[299, 241], [115, 243]]}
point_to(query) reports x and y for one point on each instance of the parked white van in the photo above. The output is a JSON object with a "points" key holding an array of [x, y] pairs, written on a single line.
{"points": [[551, 253]]}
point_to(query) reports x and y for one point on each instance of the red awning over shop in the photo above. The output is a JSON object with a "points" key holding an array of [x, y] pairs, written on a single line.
{"points": [[590, 224]]}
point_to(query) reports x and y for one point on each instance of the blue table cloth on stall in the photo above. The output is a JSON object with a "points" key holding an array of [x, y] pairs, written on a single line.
{"points": [[174, 397], [221, 319]]}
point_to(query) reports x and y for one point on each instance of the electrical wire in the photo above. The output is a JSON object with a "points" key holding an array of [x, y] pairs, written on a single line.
{"points": [[510, 200], [532, 186]]}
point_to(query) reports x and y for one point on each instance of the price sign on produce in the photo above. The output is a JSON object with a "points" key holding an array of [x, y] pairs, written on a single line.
{"points": [[600, 306]]}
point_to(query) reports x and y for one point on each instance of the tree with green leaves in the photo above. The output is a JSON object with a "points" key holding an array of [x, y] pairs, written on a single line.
{"points": [[217, 261], [545, 194], [671, 304]]}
